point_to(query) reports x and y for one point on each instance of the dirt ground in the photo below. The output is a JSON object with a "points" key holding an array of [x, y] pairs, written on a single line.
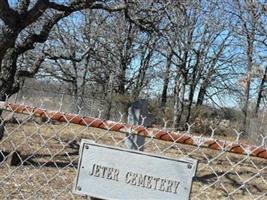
{"points": [[48, 158]]}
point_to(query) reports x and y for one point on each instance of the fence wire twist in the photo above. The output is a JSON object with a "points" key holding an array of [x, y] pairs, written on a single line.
{"points": [[39, 155]]}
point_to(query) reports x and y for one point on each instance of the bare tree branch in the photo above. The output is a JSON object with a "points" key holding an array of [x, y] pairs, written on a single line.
{"points": [[35, 12], [7, 14], [23, 6], [42, 36], [78, 5], [34, 70]]}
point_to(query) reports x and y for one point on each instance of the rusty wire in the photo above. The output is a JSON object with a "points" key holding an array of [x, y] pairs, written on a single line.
{"points": [[160, 134]]}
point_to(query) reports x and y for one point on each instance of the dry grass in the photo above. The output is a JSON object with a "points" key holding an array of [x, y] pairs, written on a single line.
{"points": [[50, 154]]}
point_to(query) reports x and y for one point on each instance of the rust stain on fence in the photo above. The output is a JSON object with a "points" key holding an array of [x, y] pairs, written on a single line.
{"points": [[205, 142]]}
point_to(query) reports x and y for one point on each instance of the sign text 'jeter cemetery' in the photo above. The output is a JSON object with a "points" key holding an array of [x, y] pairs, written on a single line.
{"points": [[115, 173]]}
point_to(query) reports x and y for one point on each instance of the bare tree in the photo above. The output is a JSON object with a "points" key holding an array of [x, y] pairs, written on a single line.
{"points": [[247, 15], [24, 19], [261, 40], [147, 50], [25, 26]]}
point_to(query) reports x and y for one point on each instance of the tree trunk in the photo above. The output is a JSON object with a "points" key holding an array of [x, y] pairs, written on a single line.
{"points": [[75, 94], [260, 93], [179, 101], [202, 93], [248, 81], [108, 112], [2, 129], [192, 89], [125, 60], [8, 85], [166, 81], [191, 98], [109, 95], [204, 86], [121, 77]]}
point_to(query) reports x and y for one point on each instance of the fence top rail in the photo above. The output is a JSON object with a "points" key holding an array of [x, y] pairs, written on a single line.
{"points": [[161, 134]]}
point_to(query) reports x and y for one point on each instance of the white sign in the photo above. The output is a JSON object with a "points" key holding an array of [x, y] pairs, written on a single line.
{"points": [[115, 173]]}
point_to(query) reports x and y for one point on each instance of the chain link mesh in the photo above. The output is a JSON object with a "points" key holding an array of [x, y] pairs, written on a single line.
{"points": [[40, 149]]}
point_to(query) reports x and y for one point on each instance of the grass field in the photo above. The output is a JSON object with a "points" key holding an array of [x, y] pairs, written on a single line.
{"points": [[49, 155]]}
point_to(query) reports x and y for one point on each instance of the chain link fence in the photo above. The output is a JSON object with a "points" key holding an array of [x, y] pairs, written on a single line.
{"points": [[40, 149]]}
